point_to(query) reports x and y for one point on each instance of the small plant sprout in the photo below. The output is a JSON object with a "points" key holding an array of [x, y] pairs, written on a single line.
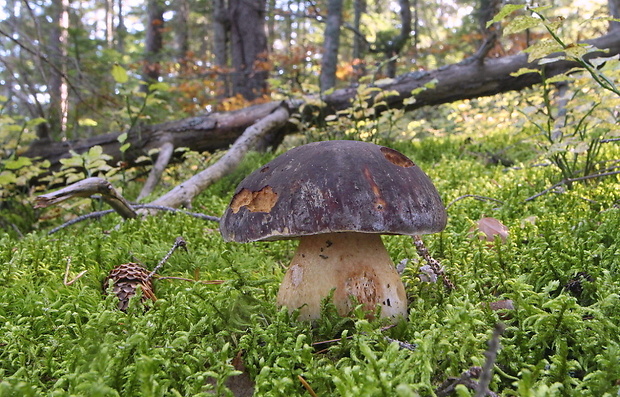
{"points": [[337, 197]]}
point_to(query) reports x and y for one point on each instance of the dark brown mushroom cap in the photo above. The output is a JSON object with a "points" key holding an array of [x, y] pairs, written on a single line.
{"points": [[334, 186]]}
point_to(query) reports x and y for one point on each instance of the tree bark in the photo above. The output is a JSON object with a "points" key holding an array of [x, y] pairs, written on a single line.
{"points": [[109, 22], [181, 28], [59, 93], [331, 45], [153, 43], [221, 30], [401, 40], [249, 47], [121, 29], [214, 131], [614, 11]]}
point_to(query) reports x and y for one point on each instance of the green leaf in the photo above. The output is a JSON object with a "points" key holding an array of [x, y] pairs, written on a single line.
{"points": [[331, 117], [119, 74], [18, 163], [141, 159], [87, 122], [506, 10], [576, 51], [122, 137], [542, 49], [524, 71], [159, 86], [540, 9], [35, 122], [95, 152], [7, 177], [124, 148], [521, 23]]}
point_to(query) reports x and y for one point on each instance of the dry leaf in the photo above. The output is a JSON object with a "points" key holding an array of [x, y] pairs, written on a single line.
{"points": [[488, 228]]}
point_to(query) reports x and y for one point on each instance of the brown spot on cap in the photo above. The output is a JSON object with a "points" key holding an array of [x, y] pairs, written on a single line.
{"points": [[379, 201], [397, 158], [260, 201]]}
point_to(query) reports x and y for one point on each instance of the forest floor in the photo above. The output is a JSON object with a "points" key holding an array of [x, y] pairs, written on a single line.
{"points": [[553, 284]]}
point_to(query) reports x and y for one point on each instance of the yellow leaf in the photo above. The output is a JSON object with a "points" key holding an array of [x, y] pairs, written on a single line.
{"points": [[119, 74]]}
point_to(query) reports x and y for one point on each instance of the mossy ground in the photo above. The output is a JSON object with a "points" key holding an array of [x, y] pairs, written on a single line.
{"points": [[560, 340]]}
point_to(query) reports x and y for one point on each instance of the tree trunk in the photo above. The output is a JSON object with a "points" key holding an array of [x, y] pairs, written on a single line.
{"points": [[151, 69], [109, 22], [331, 45], [121, 29], [401, 40], [359, 41], [181, 28], [614, 11], [271, 24], [359, 44], [58, 108], [221, 29], [464, 80], [249, 48]]}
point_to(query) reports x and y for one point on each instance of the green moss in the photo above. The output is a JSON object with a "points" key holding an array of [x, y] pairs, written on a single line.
{"points": [[559, 268]]}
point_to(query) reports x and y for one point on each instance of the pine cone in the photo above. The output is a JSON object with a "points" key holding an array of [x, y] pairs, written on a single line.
{"points": [[126, 278]]}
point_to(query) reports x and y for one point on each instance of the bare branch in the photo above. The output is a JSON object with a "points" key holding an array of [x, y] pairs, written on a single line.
{"points": [[188, 190], [432, 262], [178, 243], [475, 196], [491, 354], [163, 159], [571, 180], [86, 188]]}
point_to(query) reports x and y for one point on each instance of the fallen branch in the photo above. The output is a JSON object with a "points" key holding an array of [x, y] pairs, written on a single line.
{"points": [[163, 159], [448, 387], [432, 262], [87, 188], [474, 196], [99, 214], [185, 193], [487, 370], [571, 180], [209, 282]]}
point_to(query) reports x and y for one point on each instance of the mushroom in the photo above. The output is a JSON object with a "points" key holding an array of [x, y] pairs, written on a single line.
{"points": [[337, 198]]}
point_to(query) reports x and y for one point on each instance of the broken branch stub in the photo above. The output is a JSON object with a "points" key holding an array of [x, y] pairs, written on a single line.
{"points": [[86, 188]]}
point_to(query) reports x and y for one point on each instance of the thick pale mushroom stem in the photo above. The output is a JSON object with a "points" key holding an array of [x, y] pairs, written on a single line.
{"points": [[354, 264]]}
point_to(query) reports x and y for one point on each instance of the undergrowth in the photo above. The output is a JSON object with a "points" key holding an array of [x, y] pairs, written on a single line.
{"points": [[559, 269]]}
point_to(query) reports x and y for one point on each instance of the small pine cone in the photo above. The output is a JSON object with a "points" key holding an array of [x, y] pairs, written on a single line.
{"points": [[126, 278]]}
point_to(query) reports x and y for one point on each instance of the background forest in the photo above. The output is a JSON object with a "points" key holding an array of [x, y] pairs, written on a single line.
{"points": [[511, 109]]}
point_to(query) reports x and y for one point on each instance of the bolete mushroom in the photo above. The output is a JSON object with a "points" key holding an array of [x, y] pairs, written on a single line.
{"points": [[337, 197]]}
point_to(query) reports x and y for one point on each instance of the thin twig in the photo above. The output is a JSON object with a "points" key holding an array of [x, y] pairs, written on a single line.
{"points": [[402, 345], [99, 214], [348, 337], [209, 282], [491, 354], [432, 262], [448, 387], [475, 196], [81, 218], [171, 209], [571, 180], [179, 242], [306, 385], [76, 278]]}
